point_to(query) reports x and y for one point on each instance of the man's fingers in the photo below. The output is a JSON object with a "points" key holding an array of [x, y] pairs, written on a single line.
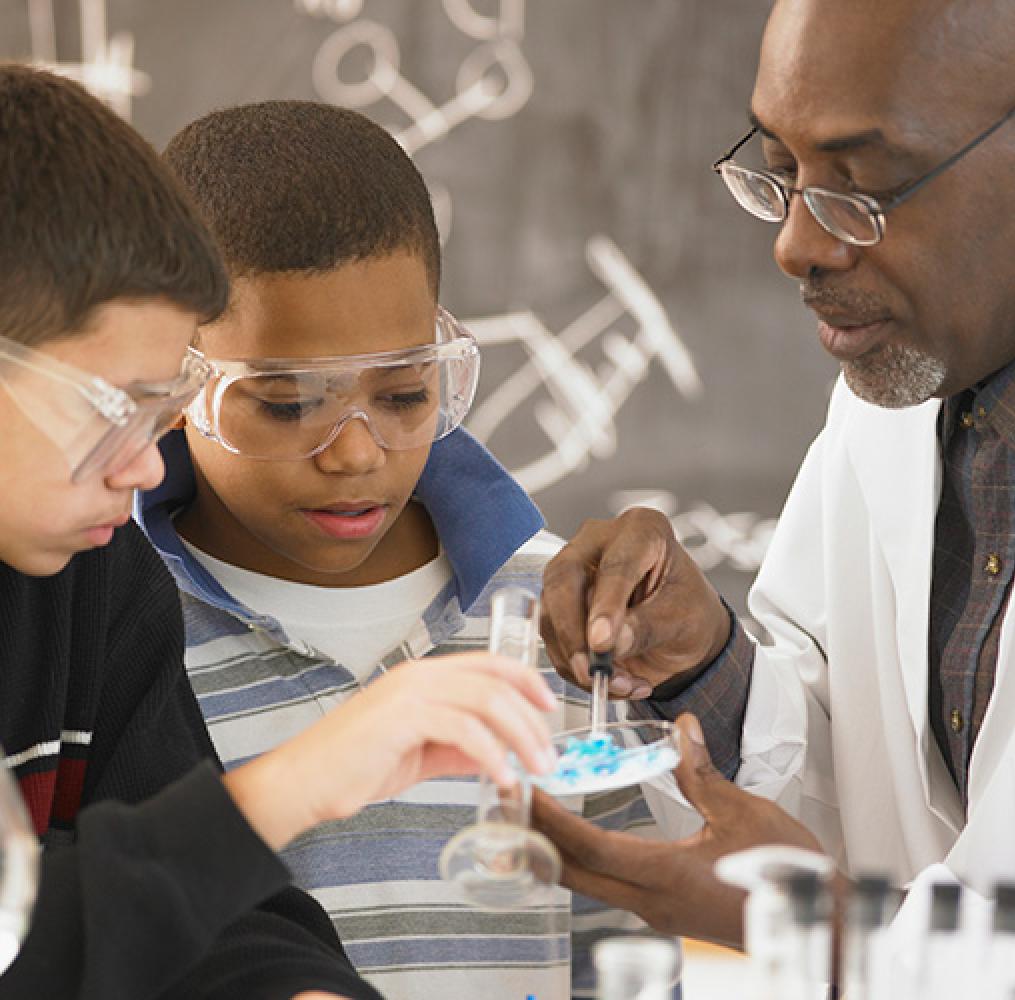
{"points": [[634, 558], [703, 786], [564, 612], [619, 855], [615, 892]]}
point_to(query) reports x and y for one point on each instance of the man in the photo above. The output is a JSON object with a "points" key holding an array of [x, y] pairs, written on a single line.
{"points": [[880, 709]]}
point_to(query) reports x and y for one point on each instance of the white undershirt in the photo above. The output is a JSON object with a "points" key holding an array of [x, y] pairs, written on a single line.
{"points": [[355, 626]]}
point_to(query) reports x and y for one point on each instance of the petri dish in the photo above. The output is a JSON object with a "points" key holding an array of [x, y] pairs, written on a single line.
{"points": [[616, 755]]}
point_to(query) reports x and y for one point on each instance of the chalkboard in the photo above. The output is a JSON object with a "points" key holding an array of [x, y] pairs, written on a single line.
{"points": [[639, 344]]}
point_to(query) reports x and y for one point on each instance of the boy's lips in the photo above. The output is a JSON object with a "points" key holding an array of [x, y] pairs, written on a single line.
{"points": [[101, 534], [348, 521]]}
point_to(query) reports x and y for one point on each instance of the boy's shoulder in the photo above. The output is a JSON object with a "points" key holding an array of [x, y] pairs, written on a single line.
{"points": [[526, 564]]}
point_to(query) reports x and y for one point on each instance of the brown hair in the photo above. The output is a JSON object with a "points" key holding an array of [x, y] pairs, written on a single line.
{"points": [[88, 214]]}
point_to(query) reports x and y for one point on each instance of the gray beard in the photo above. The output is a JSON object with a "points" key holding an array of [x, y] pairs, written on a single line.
{"points": [[894, 376]]}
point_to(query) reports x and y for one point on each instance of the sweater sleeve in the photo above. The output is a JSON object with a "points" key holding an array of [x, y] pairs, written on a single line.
{"points": [[166, 891]]}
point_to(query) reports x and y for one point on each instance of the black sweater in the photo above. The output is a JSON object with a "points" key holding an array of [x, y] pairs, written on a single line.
{"points": [[150, 874]]}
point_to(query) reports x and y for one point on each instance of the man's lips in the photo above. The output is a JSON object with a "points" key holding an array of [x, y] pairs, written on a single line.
{"points": [[347, 521], [851, 321], [849, 341]]}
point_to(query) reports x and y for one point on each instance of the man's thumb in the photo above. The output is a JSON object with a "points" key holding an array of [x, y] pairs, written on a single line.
{"points": [[696, 774]]}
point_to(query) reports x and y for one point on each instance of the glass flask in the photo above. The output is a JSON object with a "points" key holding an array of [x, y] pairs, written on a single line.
{"points": [[499, 862]]}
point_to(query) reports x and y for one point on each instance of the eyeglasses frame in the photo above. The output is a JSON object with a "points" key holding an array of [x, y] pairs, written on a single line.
{"points": [[876, 208]]}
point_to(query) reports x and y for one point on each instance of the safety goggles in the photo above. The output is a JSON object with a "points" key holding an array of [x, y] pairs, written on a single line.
{"points": [[283, 409], [99, 427]]}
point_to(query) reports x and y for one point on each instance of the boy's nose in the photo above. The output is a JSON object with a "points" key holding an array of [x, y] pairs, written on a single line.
{"points": [[143, 472], [353, 449]]}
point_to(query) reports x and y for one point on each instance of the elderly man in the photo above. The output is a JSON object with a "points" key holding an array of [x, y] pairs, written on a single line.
{"points": [[879, 711]]}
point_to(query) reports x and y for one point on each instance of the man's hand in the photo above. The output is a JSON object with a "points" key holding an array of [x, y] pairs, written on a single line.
{"points": [[671, 884], [627, 585]]}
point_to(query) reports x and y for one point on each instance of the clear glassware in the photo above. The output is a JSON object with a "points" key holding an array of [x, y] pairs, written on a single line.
{"points": [[499, 862], [635, 968], [599, 758], [19, 869]]}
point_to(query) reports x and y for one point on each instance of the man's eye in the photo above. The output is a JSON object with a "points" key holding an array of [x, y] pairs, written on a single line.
{"points": [[878, 193], [783, 172]]}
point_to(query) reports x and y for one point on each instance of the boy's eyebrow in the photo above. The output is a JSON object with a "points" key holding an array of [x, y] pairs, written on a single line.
{"points": [[865, 139]]}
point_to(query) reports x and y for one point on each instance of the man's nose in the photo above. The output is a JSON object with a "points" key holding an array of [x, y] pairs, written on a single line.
{"points": [[804, 246]]}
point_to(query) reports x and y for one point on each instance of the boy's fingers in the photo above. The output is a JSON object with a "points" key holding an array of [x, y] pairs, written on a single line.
{"points": [[461, 732], [527, 680], [506, 714]]}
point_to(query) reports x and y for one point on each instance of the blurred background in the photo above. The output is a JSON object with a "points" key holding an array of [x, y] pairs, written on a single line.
{"points": [[639, 344]]}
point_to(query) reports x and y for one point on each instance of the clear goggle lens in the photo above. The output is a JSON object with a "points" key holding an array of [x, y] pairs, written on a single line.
{"points": [[99, 428], [287, 409]]}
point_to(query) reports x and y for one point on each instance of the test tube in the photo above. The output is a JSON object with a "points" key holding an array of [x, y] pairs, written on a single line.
{"points": [[499, 862], [768, 920], [999, 967], [635, 967], [866, 918], [811, 951], [514, 624], [938, 968]]}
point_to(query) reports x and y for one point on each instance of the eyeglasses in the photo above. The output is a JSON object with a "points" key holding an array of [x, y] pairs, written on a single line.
{"points": [[284, 409], [858, 219], [100, 428]]}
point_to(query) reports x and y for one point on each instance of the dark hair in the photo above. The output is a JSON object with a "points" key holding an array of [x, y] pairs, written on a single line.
{"points": [[88, 214], [300, 186]]}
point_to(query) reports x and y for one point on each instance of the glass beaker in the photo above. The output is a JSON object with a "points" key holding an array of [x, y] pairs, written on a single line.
{"points": [[635, 968], [499, 862], [19, 869]]}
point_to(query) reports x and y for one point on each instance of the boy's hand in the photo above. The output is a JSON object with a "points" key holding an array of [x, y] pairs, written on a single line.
{"points": [[626, 585], [453, 715]]}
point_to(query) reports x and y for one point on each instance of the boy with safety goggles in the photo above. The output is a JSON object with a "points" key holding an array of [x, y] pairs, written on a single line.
{"points": [[326, 517], [159, 876]]}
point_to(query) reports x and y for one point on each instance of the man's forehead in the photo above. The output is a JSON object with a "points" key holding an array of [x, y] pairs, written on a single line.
{"points": [[908, 68]]}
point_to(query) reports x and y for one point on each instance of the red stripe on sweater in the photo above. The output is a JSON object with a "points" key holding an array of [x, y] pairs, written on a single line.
{"points": [[70, 782], [38, 791]]}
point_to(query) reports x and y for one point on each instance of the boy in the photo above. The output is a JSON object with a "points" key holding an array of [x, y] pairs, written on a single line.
{"points": [[153, 864], [317, 542]]}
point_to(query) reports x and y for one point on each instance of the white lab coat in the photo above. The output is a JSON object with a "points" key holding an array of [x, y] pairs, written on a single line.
{"points": [[837, 727]]}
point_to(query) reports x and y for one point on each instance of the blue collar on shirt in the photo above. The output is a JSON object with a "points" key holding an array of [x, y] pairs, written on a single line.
{"points": [[481, 515]]}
